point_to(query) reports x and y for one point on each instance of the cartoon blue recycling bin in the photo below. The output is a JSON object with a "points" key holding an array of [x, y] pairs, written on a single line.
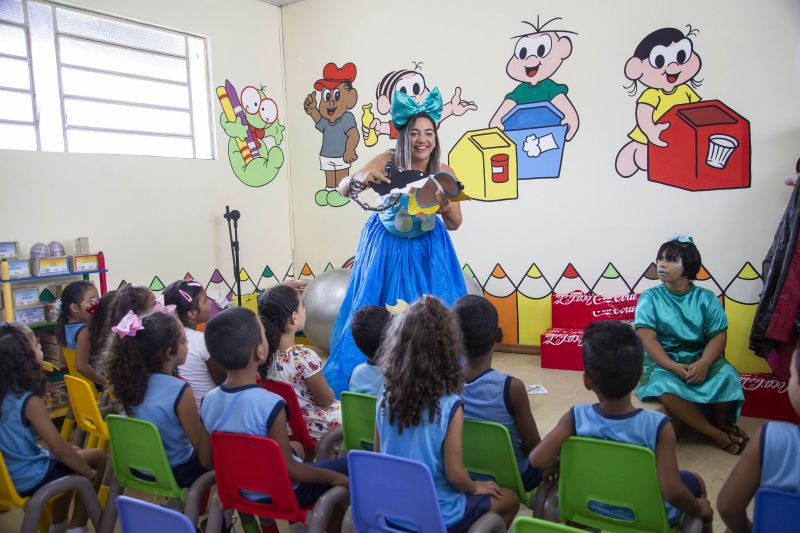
{"points": [[537, 131]]}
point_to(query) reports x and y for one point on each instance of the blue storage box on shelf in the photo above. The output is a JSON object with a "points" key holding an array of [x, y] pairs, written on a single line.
{"points": [[537, 131]]}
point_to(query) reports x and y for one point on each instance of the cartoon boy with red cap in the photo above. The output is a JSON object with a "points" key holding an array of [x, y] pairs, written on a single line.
{"points": [[338, 127], [537, 56]]}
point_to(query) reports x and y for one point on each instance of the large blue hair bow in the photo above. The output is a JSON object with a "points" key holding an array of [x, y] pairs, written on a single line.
{"points": [[404, 107]]}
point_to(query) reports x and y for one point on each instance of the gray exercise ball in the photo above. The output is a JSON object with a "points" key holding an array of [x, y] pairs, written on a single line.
{"points": [[473, 287], [322, 299]]}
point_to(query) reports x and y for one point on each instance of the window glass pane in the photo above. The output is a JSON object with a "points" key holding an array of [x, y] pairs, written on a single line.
{"points": [[116, 31], [200, 104], [14, 73], [125, 117], [115, 58], [127, 143], [16, 106], [45, 77], [12, 40], [11, 10], [17, 137], [110, 87]]}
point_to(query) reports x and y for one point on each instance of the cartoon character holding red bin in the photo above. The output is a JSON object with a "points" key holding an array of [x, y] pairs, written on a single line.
{"points": [[666, 64]]}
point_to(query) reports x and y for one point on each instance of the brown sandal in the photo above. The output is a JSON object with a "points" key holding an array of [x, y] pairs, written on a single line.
{"points": [[741, 445]]}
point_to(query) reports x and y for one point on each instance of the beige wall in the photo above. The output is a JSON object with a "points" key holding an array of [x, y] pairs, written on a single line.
{"points": [[163, 216], [589, 216]]}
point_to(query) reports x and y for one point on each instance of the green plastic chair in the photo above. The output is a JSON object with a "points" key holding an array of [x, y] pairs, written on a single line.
{"points": [[487, 449], [612, 473], [136, 446], [358, 421], [526, 524]]}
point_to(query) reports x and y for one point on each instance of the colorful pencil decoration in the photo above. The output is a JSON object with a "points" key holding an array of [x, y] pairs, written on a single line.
{"points": [[121, 284], [306, 274], [187, 276], [217, 288], [534, 306], [237, 109], [156, 284], [707, 281], [499, 290], [741, 301], [349, 262], [244, 278], [227, 108], [267, 277], [47, 296], [648, 279], [611, 283], [328, 267], [289, 273], [570, 281]]}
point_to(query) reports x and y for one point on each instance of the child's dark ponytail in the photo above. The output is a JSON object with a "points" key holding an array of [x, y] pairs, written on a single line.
{"points": [[275, 308], [72, 294], [132, 358]]}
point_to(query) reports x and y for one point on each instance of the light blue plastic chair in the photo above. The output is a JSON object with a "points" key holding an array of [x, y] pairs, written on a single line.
{"points": [[776, 510], [137, 516], [384, 486]]}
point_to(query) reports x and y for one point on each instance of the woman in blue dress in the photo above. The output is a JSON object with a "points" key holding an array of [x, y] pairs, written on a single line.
{"points": [[400, 256], [684, 329]]}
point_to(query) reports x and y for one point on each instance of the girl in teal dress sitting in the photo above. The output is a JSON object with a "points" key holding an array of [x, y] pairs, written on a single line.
{"points": [[684, 329]]}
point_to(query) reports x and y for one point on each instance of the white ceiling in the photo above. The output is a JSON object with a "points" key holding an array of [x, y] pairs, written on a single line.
{"points": [[281, 3]]}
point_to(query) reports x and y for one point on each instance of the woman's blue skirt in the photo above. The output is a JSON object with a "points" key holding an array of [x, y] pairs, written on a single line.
{"points": [[388, 268]]}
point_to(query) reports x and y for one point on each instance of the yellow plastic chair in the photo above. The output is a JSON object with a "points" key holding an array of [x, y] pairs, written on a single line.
{"points": [[69, 358], [89, 419], [38, 508]]}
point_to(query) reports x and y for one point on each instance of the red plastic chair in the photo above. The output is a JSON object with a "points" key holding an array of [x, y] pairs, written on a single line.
{"points": [[263, 472], [296, 421]]}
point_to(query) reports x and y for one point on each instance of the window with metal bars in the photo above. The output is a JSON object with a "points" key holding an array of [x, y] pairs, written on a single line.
{"points": [[73, 80]]}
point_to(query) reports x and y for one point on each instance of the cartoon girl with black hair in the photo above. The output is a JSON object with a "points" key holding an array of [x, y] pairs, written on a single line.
{"points": [[666, 64]]}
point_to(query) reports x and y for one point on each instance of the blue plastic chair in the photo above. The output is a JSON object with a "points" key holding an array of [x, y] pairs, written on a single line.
{"points": [[401, 489], [137, 516], [776, 510]]}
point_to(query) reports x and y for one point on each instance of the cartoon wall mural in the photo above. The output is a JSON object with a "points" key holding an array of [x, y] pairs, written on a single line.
{"points": [[338, 127], [248, 119], [679, 139], [412, 83], [526, 136]]}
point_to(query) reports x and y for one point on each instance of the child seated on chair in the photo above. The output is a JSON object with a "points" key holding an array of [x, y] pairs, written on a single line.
{"points": [[489, 394], [368, 326], [612, 359], [141, 360], [79, 302], [420, 416], [282, 313], [235, 339], [24, 420], [772, 460]]}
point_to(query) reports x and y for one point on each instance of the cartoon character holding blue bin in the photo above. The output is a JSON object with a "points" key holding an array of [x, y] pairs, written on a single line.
{"points": [[538, 115]]}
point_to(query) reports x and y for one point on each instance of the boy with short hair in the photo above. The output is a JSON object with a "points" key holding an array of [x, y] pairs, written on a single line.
{"points": [[368, 326], [235, 339], [612, 361], [489, 394]]}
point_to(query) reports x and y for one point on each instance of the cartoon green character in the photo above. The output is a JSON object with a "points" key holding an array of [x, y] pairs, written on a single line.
{"points": [[248, 121]]}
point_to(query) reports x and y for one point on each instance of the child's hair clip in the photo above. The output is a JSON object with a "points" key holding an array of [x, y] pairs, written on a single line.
{"points": [[129, 325], [160, 307], [682, 238], [185, 295]]}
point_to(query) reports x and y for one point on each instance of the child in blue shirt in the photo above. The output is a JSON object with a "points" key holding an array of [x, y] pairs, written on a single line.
{"points": [[772, 460], [419, 414], [24, 420], [79, 304], [612, 361], [368, 326], [489, 394], [235, 339], [142, 359]]}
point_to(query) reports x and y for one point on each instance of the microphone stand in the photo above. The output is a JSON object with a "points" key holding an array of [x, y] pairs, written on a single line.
{"points": [[233, 235]]}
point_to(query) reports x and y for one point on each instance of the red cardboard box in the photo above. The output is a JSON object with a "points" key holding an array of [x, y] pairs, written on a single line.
{"points": [[562, 348], [765, 397], [708, 148], [578, 310]]}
